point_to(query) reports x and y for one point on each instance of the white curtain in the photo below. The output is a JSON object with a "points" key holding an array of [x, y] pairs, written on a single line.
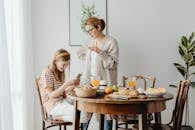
{"points": [[18, 41], [6, 122]]}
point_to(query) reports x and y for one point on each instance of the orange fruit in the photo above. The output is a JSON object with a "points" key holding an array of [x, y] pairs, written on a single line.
{"points": [[108, 90]]}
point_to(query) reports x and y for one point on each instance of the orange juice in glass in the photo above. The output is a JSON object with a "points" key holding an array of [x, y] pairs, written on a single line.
{"points": [[132, 83], [95, 81]]}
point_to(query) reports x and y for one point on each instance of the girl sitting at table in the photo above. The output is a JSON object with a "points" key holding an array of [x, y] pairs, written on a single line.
{"points": [[54, 87]]}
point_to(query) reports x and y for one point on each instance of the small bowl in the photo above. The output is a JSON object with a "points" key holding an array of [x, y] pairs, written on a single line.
{"points": [[83, 92], [155, 94]]}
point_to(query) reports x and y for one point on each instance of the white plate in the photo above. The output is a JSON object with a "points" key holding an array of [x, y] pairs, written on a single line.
{"points": [[150, 94], [118, 96], [125, 97]]}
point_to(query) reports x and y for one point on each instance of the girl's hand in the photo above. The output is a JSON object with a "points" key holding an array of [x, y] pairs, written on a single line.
{"points": [[74, 82]]}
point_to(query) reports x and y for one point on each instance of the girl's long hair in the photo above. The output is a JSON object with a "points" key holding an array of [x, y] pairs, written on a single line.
{"points": [[63, 55]]}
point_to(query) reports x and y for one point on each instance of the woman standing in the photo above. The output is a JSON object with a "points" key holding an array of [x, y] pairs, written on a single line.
{"points": [[100, 55]]}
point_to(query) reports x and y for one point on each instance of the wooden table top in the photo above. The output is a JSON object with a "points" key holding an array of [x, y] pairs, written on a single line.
{"points": [[105, 99]]}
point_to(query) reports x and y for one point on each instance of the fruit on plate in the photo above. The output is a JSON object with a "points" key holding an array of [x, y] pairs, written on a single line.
{"points": [[124, 91], [128, 92], [115, 88], [133, 93], [108, 90]]}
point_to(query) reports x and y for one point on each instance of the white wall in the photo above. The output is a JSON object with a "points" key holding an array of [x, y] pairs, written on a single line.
{"points": [[147, 32]]}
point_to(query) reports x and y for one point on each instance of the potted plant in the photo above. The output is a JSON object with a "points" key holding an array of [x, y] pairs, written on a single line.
{"points": [[186, 49]]}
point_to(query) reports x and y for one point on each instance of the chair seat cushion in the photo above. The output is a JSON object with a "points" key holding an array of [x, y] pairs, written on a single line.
{"points": [[58, 122]]}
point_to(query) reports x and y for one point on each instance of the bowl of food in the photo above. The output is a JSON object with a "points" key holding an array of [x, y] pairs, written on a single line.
{"points": [[85, 91], [129, 92], [155, 92]]}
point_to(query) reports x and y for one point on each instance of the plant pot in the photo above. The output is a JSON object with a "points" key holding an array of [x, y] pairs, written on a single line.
{"points": [[186, 127]]}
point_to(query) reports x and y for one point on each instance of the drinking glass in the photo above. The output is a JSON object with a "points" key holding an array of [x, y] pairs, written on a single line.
{"points": [[95, 81], [85, 82], [132, 83]]}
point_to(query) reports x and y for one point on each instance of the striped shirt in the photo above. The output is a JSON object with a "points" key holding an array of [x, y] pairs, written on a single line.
{"points": [[48, 80]]}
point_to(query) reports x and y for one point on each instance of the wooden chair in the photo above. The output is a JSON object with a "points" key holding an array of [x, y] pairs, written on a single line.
{"points": [[177, 114], [148, 81], [48, 122]]}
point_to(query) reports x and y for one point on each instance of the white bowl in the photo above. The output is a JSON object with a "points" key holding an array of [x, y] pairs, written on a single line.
{"points": [[80, 92], [154, 94]]}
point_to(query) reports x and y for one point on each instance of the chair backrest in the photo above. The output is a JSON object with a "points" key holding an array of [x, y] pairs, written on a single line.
{"points": [[43, 111], [181, 98], [148, 81]]}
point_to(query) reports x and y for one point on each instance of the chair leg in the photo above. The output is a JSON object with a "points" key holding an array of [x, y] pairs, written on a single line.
{"points": [[116, 124], [43, 126], [126, 125], [64, 127], [60, 127]]}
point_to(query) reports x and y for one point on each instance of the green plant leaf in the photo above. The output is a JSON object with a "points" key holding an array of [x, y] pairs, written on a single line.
{"points": [[192, 63], [193, 84], [193, 42], [191, 47], [192, 73], [192, 36], [188, 58], [184, 41], [180, 68], [92, 7], [181, 51], [173, 86]]}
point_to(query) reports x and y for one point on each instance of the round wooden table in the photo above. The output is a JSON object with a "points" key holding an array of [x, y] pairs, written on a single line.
{"points": [[103, 104]]}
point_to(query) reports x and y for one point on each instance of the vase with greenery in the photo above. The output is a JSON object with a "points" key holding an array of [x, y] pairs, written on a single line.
{"points": [[186, 49], [86, 12]]}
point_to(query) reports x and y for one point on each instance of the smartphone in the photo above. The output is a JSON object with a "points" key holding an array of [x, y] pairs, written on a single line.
{"points": [[79, 76]]}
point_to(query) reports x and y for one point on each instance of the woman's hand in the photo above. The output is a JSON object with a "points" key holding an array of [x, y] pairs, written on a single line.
{"points": [[94, 48]]}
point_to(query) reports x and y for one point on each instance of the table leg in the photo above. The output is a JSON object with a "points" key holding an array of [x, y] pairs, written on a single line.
{"points": [[144, 121], [76, 117], [101, 121], [157, 117]]}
